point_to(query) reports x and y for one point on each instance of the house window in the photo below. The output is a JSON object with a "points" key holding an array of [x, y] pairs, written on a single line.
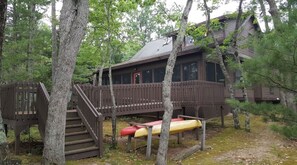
{"points": [[159, 74], [214, 73], [210, 72], [176, 73], [147, 76], [126, 78], [190, 71]]}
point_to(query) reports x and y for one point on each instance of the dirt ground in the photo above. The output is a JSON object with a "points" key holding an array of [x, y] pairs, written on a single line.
{"points": [[226, 146]]}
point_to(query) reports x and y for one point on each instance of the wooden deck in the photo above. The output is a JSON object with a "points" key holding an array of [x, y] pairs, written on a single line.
{"points": [[145, 98], [24, 104]]}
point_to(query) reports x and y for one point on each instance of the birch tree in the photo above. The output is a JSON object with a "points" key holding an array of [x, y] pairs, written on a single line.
{"points": [[73, 22], [219, 55], [166, 90]]}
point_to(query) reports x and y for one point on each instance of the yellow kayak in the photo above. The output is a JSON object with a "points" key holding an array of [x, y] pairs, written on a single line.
{"points": [[175, 127]]}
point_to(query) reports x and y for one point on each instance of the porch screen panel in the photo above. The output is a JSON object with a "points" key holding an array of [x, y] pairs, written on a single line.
{"points": [[190, 71], [147, 76], [176, 73], [105, 80], [210, 72], [116, 79], [159, 74], [126, 78]]}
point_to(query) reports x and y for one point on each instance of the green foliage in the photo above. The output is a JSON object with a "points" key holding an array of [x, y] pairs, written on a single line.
{"points": [[272, 112], [275, 63], [27, 44]]}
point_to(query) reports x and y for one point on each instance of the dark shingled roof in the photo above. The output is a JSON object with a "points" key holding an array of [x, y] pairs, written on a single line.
{"points": [[159, 46]]}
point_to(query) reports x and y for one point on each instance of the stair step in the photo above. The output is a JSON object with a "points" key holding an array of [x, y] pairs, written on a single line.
{"points": [[73, 120], [75, 128], [71, 113], [72, 136], [81, 150], [77, 144], [82, 153]]}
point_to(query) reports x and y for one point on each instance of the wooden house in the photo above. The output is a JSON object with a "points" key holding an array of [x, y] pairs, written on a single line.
{"points": [[148, 65]]}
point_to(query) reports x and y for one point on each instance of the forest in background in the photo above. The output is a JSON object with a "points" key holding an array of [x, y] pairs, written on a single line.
{"points": [[127, 26]]}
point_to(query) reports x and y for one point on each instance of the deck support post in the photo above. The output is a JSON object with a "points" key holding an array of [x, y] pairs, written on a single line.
{"points": [[6, 129], [17, 143], [149, 142], [179, 136], [197, 115], [129, 143], [203, 135], [222, 117]]}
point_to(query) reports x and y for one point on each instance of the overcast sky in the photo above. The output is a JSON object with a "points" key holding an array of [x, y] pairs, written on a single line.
{"points": [[195, 16]]}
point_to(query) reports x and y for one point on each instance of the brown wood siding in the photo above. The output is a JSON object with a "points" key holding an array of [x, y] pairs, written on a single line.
{"points": [[266, 94]]}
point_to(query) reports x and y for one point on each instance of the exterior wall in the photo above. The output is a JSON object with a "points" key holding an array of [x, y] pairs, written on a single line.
{"points": [[266, 94], [245, 32]]}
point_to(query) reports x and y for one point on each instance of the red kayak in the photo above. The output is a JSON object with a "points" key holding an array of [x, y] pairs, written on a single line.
{"points": [[132, 129]]}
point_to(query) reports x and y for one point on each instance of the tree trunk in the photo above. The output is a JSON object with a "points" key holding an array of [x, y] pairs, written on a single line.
{"points": [[54, 40], [73, 22], [166, 91], [237, 60], [263, 9], [222, 65], [100, 75], [3, 7], [32, 25], [3, 140], [274, 13], [109, 53]]}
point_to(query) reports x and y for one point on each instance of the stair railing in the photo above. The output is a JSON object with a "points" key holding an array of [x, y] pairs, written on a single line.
{"points": [[42, 102], [92, 119]]}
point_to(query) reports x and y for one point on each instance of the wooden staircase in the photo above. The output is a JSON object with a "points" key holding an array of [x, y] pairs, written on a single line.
{"points": [[78, 141]]}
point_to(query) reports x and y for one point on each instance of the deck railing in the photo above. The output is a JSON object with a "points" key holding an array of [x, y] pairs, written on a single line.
{"points": [[42, 107], [92, 119], [137, 98], [18, 101]]}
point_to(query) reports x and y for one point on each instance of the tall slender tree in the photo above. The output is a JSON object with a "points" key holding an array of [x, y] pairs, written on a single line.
{"points": [[219, 54], [54, 38], [166, 90], [3, 140], [73, 22]]}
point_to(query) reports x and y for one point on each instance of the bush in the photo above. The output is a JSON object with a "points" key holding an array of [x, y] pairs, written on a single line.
{"points": [[272, 112]]}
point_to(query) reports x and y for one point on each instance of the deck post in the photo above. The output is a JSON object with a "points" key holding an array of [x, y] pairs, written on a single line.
{"points": [[149, 142], [6, 129], [197, 129], [222, 117], [179, 136], [203, 134], [129, 143], [17, 143]]}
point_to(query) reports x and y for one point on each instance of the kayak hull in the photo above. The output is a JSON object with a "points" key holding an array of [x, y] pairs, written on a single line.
{"points": [[175, 127], [132, 129]]}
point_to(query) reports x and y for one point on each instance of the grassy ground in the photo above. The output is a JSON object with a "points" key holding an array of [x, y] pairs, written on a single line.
{"points": [[227, 146]]}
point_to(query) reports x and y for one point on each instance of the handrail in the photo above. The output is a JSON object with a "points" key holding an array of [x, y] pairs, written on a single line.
{"points": [[92, 119], [42, 103], [18, 101], [143, 98]]}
